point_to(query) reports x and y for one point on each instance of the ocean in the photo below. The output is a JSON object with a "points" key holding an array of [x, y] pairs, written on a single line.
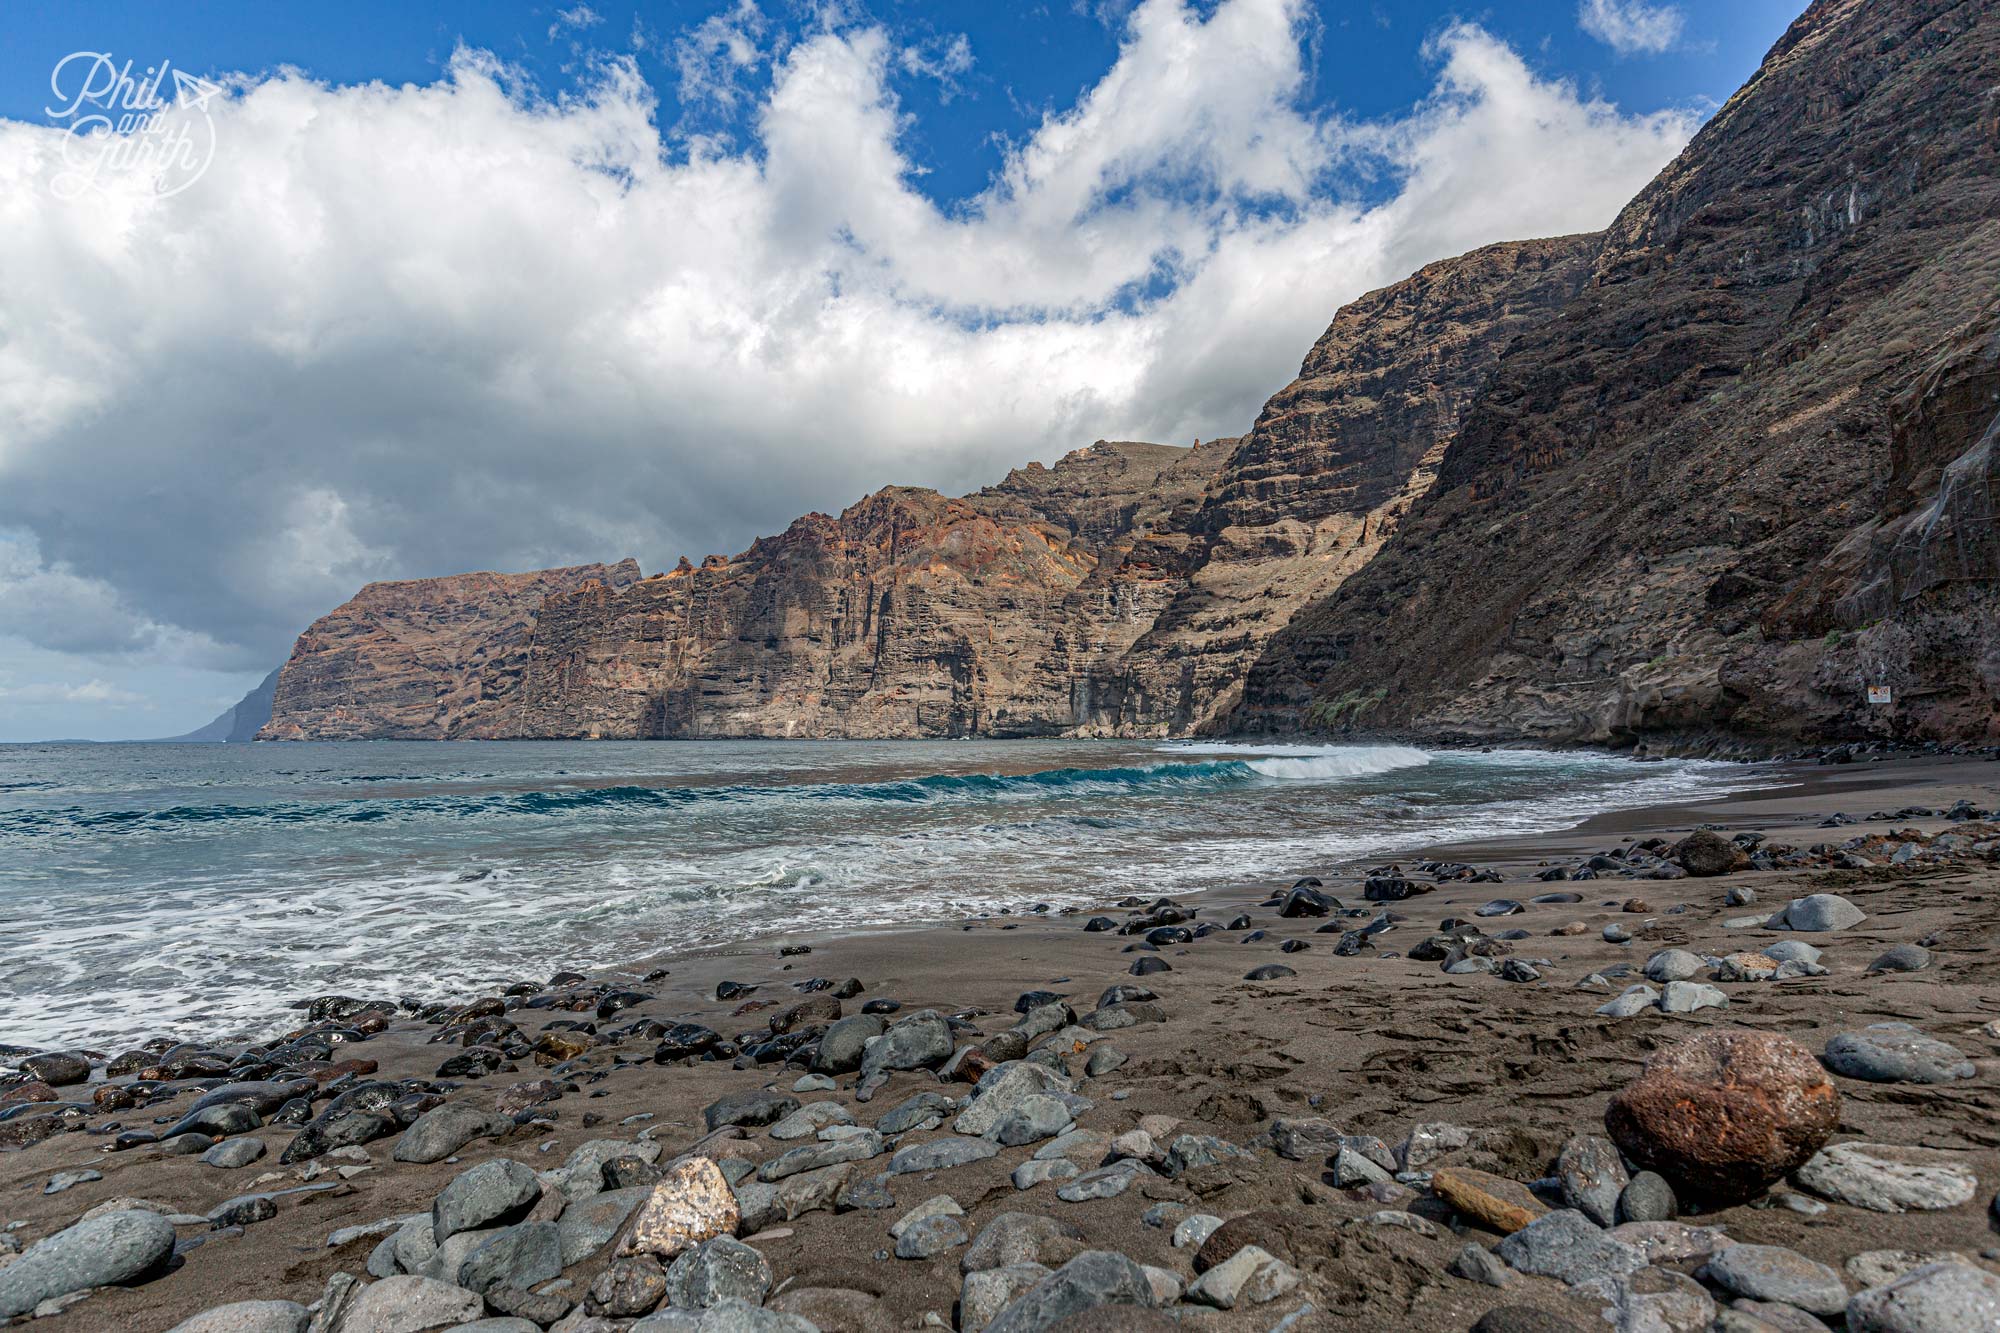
{"points": [[193, 890]]}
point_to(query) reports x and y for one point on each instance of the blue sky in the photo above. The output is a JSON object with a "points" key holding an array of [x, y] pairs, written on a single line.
{"points": [[498, 285], [1025, 59]]}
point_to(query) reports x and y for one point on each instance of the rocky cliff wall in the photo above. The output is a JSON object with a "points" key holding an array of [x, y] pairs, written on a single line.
{"points": [[421, 659], [1743, 475]]}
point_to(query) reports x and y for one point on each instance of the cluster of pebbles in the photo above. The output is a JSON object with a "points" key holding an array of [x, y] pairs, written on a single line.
{"points": [[845, 1103]]}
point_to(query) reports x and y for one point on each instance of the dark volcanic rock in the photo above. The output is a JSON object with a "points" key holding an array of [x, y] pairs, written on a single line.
{"points": [[1748, 344]]}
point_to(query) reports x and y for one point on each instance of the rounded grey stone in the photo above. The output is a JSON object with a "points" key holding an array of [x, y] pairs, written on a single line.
{"points": [[1937, 1298], [929, 1237], [718, 1270], [1592, 1177], [489, 1195], [234, 1154], [1569, 1247], [1773, 1273], [1090, 1281], [522, 1257], [1902, 958], [1648, 1198], [1895, 1053], [443, 1130], [248, 1317], [112, 1248]]}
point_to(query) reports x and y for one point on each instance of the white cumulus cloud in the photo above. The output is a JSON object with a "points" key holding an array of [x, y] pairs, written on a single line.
{"points": [[1631, 27]]}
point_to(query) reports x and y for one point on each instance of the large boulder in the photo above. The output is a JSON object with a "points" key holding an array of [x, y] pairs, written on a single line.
{"points": [[1706, 853], [1816, 913], [921, 1041], [1724, 1114]]}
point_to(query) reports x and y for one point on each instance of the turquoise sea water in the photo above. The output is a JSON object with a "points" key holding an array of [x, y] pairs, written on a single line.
{"points": [[193, 889]]}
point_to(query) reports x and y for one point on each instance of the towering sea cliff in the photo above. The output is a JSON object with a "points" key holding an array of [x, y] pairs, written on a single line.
{"points": [[1745, 474], [422, 659]]}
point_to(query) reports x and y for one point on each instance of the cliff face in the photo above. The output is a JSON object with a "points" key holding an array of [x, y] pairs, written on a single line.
{"points": [[424, 659], [1744, 474], [1322, 480], [910, 614]]}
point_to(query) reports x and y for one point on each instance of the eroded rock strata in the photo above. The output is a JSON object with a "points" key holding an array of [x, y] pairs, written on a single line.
{"points": [[421, 659]]}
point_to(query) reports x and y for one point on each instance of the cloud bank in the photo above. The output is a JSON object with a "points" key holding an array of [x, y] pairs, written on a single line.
{"points": [[401, 331]]}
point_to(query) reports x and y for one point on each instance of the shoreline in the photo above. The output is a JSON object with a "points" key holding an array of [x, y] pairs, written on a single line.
{"points": [[1790, 790], [255, 1021]]}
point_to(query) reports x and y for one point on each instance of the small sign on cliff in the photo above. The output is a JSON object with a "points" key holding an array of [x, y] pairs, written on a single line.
{"points": [[1881, 694]]}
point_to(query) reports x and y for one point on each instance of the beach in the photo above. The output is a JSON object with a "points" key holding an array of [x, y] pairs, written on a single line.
{"points": [[1371, 1044]]}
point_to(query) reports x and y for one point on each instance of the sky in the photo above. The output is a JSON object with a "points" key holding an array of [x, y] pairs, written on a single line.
{"points": [[399, 290]]}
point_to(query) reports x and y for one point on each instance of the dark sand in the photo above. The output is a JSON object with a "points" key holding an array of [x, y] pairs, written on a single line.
{"points": [[1375, 1045]]}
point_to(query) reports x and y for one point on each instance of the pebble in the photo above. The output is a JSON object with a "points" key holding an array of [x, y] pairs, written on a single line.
{"points": [[1476, 1263], [234, 1154], [691, 1205], [1648, 1198], [984, 1293], [489, 1195], [406, 1303], [1592, 1178], [1030, 1174], [940, 1155], [1630, 1003], [1107, 1182], [749, 1108], [1876, 1268], [1685, 997], [810, 1119], [1193, 1229], [930, 1237], [1250, 1276], [1090, 1281], [1895, 1053], [1674, 965], [63, 1180], [520, 1257], [717, 1270]]}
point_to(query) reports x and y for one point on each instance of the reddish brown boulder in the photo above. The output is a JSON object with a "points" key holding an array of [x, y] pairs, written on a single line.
{"points": [[1724, 1114]]}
